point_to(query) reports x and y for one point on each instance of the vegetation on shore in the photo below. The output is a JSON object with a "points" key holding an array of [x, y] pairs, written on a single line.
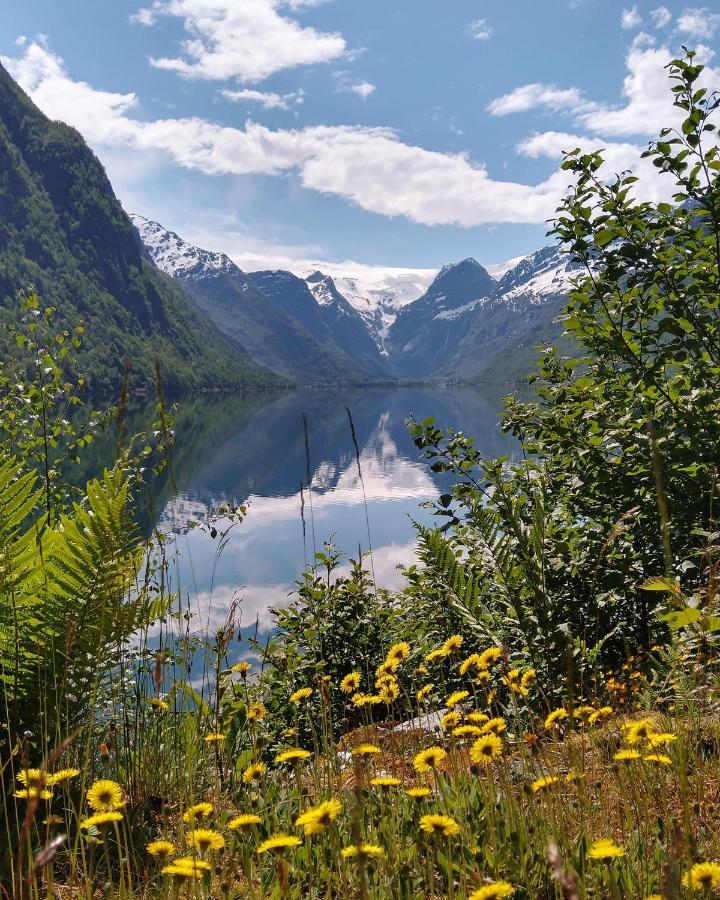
{"points": [[535, 715]]}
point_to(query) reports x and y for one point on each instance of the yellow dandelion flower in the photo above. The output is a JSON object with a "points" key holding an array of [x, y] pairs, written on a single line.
{"points": [[555, 717], [33, 793], [435, 823], [317, 818], [477, 718], [601, 715], [483, 678], [385, 782], [638, 732], [389, 692], [429, 759], [450, 720], [435, 655], [494, 726], [253, 772], [279, 842], [198, 811], [541, 784], [256, 712], [205, 839], [528, 678], [242, 667], [365, 750], [100, 819], [361, 699], [661, 738], [362, 851], [497, 890], [300, 695], [182, 873], [489, 657], [472, 662], [293, 755], [660, 758], [513, 680], [350, 683], [486, 748], [244, 821], [605, 848], [455, 698], [467, 731], [157, 703], [62, 776], [398, 653], [105, 795], [418, 793], [214, 737], [703, 875], [452, 645], [33, 777], [583, 713], [161, 849], [626, 755], [424, 692], [385, 668]]}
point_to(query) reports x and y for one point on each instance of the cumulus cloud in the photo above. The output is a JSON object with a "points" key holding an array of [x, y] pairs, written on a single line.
{"points": [[363, 89], [247, 40], [630, 18], [699, 22], [266, 99], [480, 30], [531, 96], [661, 16]]}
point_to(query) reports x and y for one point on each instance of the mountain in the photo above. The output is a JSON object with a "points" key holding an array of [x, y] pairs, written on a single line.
{"points": [[64, 233], [274, 331]]}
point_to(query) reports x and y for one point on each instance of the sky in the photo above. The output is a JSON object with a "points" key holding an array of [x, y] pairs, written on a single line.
{"points": [[384, 133]]}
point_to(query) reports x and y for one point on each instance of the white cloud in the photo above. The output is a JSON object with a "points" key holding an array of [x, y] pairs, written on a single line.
{"points": [[661, 16], [363, 89], [247, 40], [630, 18], [530, 96], [480, 30], [144, 16], [266, 99], [699, 22]]}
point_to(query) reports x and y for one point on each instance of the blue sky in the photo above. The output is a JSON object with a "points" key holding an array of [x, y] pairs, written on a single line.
{"points": [[396, 133]]}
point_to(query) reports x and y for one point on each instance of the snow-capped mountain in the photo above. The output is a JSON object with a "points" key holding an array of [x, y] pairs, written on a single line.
{"points": [[464, 322]]}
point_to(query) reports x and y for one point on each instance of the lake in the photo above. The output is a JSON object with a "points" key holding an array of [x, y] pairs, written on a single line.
{"points": [[251, 449]]}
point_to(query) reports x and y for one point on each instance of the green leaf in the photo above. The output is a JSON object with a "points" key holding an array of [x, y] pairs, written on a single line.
{"points": [[660, 583], [681, 618]]}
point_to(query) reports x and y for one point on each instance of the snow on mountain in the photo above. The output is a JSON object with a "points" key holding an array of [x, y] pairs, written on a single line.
{"points": [[177, 257], [538, 277]]}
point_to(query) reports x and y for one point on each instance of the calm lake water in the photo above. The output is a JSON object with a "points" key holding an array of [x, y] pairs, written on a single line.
{"points": [[233, 450]]}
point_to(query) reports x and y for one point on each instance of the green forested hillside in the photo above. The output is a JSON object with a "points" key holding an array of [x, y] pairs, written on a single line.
{"points": [[63, 233]]}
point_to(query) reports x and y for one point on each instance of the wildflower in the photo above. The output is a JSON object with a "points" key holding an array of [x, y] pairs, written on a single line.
{"points": [[256, 712], [385, 668], [32, 778], [198, 811], [105, 795], [477, 718], [361, 699], [601, 715], [214, 738], [582, 714], [659, 758], [362, 851], [626, 755], [489, 657], [540, 784], [528, 678], [242, 667], [205, 839], [513, 680], [429, 759], [467, 731], [638, 732], [398, 653], [389, 691], [278, 843], [350, 683], [253, 772], [294, 755], [450, 720], [300, 695], [438, 824], [660, 738], [62, 776], [455, 698], [100, 819], [161, 849], [572, 777], [495, 891], [418, 793], [365, 750], [486, 749], [435, 655], [33, 793], [483, 677], [385, 783], [244, 821], [605, 848], [422, 670], [473, 661], [182, 873], [704, 875], [494, 726], [318, 818], [557, 715], [157, 703], [53, 820], [424, 692], [452, 645]]}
